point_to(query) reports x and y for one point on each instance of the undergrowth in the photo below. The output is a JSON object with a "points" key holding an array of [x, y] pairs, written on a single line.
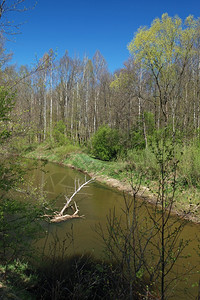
{"points": [[136, 163]]}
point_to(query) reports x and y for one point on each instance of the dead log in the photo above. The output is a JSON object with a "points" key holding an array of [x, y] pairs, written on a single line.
{"points": [[58, 219], [61, 217]]}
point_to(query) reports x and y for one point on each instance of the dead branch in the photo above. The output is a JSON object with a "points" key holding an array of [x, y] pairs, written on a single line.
{"points": [[60, 217]]}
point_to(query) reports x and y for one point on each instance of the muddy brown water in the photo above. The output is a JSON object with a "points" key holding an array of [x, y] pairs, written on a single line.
{"points": [[95, 202]]}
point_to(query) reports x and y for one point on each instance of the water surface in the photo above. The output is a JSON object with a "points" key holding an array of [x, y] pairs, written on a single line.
{"points": [[95, 202]]}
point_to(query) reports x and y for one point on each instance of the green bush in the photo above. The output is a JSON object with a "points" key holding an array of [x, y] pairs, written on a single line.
{"points": [[137, 139], [83, 277], [19, 225], [144, 161], [59, 133], [20, 145], [189, 167], [105, 143], [62, 152]]}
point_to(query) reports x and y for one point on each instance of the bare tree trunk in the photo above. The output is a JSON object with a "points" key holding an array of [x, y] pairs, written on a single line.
{"points": [[72, 116], [51, 101], [45, 108], [65, 111], [86, 108], [139, 97], [95, 111], [31, 114], [144, 131]]}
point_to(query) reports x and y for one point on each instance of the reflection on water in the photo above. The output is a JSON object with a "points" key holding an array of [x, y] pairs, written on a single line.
{"points": [[95, 202]]}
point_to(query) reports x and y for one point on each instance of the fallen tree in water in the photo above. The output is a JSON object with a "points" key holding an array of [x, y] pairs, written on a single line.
{"points": [[60, 217]]}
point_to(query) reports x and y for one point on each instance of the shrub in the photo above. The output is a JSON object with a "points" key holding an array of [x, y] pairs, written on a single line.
{"points": [[137, 138], [59, 133], [62, 152], [105, 143], [18, 227], [144, 161], [189, 167], [83, 277]]}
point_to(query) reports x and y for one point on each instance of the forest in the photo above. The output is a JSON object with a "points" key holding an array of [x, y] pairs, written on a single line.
{"points": [[79, 102], [158, 86], [142, 120]]}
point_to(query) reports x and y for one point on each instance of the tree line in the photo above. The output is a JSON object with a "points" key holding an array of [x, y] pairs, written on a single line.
{"points": [[157, 87]]}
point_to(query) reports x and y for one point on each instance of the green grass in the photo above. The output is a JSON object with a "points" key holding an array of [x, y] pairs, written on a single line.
{"points": [[136, 164], [73, 155], [91, 165]]}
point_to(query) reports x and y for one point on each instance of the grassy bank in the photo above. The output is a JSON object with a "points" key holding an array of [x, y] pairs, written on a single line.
{"points": [[122, 173]]}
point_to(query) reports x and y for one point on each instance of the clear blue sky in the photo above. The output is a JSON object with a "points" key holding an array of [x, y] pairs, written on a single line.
{"points": [[83, 26]]}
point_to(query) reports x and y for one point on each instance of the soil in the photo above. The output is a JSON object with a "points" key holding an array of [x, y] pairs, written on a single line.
{"points": [[144, 193]]}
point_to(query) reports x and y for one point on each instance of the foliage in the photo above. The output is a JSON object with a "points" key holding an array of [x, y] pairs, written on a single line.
{"points": [[189, 168], [146, 240], [59, 133], [105, 143], [18, 278], [165, 49], [165, 42], [19, 221], [160, 80], [79, 276], [148, 118], [6, 105], [20, 145], [121, 82], [143, 161], [137, 140], [19, 225], [64, 151]]}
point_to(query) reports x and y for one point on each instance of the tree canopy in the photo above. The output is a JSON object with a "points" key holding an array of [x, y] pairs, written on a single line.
{"points": [[166, 49]]}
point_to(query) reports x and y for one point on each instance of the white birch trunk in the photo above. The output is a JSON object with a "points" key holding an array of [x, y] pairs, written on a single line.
{"points": [[65, 110], [95, 109], [72, 116], [51, 101], [45, 107]]}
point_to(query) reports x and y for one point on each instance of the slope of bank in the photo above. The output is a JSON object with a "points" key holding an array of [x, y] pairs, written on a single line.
{"points": [[118, 174]]}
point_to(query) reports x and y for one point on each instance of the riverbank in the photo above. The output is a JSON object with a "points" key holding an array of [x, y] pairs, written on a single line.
{"points": [[114, 173], [119, 175]]}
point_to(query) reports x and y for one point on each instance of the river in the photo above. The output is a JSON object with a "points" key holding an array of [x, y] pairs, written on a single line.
{"points": [[95, 202]]}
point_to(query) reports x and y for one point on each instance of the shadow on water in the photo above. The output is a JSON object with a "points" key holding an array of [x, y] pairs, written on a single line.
{"points": [[95, 202]]}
